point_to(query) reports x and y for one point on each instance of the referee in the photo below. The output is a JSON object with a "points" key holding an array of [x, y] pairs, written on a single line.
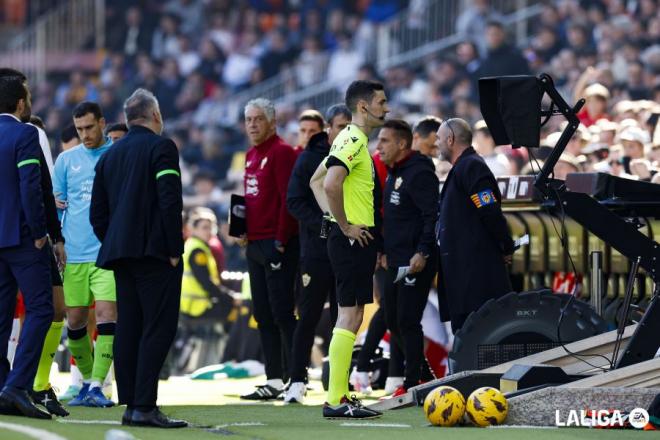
{"points": [[410, 205], [344, 185]]}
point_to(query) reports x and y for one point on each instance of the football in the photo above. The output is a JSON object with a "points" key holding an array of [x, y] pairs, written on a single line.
{"points": [[444, 406], [487, 406]]}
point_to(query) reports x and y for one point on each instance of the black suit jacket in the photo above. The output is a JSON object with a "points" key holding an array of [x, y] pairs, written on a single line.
{"points": [[473, 236], [136, 199]]}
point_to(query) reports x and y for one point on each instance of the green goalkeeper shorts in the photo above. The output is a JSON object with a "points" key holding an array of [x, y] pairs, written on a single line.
{"points": [[85, 283]]}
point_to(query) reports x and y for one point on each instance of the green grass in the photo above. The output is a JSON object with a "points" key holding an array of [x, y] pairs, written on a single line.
{"points": [[292, 423]]}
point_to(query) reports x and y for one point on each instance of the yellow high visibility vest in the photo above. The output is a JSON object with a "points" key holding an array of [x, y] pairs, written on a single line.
{"points": [[194, 299]]}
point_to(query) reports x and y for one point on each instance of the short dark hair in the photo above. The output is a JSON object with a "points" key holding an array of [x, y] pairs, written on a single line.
{"points": [[361, 89], [336, 110], [495, 23], [401, 129], [428, 125], [86, 107], [68, 133], [117, 126], [312, 115], [12, 90], [8, 71], [37, 122]]}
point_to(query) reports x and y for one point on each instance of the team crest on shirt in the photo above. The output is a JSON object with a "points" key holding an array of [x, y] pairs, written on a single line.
{"points": [[248, 163], [306, 279], [398, 182], [264, 161], [354, 139]]}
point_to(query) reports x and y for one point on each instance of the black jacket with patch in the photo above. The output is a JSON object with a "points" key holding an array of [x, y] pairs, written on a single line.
{"points": [[473, 238], [410, 202]]}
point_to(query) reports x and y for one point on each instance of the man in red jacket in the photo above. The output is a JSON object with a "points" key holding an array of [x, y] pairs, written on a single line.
{"points": [[272, 249]]}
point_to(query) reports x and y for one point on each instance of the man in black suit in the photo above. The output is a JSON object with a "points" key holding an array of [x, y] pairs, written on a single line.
{"points": [[473, 237], [136, 214], [24, 260]]}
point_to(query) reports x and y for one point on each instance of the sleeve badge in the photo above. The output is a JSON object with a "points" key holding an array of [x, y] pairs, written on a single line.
{"points": [[483, 198]]}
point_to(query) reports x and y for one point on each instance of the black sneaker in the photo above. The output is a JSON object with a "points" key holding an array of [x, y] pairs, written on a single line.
{"points": [[349, 409], [263, 392], [48, 400]]}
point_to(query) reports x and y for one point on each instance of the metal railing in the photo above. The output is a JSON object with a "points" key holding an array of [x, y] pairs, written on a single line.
{"points": [[64, 29], [427, 27]]}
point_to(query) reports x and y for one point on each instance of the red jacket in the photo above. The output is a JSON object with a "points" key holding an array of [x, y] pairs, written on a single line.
{"points": [[267, 170]]}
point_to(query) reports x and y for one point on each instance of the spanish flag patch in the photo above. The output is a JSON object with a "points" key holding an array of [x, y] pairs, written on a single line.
{"points": [[483, 198]]}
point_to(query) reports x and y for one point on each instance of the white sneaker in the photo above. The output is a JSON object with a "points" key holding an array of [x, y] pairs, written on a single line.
{"points": [[295, 393], [360, 381], [392, 383]]}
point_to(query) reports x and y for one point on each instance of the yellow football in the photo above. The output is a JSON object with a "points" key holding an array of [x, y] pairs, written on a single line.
{"points": [[444, 406], [487, 406]]}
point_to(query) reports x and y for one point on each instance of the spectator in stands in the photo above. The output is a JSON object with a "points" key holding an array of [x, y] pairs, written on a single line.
{"points": [[566, 164], [165, 39], [501, 58], [485, 145], [133, 37], [595, 108], [190, 13], [312, 63], [277, 55], [345, 61], [474, 20], [78, 89]]}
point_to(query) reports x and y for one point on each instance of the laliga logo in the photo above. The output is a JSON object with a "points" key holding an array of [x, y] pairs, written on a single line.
{"points": [[638, 418]]}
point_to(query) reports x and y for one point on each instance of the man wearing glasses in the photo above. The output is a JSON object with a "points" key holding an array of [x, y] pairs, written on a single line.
{"points": [[473, 237]]}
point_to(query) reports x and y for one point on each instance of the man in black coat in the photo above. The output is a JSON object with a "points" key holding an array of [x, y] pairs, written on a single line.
{"points": [[410, 204], [473, 236], [502, 58], [317, 279], [136, 214]]}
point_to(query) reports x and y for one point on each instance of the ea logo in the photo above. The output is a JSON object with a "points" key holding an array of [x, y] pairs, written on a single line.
{"points": [[638, 418]]}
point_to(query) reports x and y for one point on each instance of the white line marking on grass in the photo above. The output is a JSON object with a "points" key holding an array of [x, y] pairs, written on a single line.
{"points": [[376, 425], [226, 425], [39, 434], [90, 422]]}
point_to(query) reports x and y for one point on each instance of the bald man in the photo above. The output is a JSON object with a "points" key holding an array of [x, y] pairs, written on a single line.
{"points": [[474, 240]]}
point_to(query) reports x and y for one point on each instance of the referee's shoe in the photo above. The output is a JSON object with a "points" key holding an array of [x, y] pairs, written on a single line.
{"points": [[349, 409]]}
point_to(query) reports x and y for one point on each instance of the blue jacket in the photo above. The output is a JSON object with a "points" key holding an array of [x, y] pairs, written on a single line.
{"points": [[22, 212]]}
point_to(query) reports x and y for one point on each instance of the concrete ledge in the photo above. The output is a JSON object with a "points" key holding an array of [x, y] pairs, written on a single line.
{"points": [[539, 408]]}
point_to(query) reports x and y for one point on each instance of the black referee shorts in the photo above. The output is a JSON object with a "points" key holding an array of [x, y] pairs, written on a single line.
{"points": [[353, 266], [55, 278]]}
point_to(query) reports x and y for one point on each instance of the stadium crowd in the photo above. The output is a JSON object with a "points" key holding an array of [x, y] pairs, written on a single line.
{"points": [[195, 55]]}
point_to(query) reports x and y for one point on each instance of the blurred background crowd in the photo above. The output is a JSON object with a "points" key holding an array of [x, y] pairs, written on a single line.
{"points": [[203, 57]]}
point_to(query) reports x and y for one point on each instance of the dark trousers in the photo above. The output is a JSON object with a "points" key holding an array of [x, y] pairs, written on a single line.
{"points": [[376, 331], [148, 299], [317, 287], [272, 277], [404, 304], [26, 268]]}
